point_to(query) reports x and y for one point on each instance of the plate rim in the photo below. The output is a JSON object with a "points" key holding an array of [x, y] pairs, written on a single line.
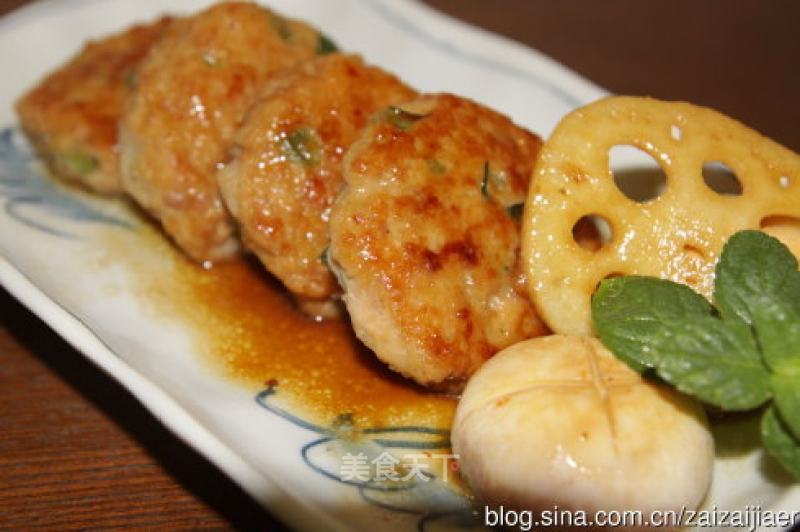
{"points": [[168, 410]]}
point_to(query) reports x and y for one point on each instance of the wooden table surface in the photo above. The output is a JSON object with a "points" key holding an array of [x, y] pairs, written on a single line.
{"points": [[77, 451]]}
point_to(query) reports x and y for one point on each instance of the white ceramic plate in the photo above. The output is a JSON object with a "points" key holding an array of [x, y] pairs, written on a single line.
{"points": [[56, 257]]}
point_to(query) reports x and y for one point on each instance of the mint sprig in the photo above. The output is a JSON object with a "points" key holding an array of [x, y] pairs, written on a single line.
{"points": [[758, 283], [738, 355], [779, 442]]}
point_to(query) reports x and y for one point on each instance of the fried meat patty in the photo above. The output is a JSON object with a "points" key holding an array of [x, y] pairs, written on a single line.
{"points": [[425, 237], [191, 94], [285, 170], [71, 115]]}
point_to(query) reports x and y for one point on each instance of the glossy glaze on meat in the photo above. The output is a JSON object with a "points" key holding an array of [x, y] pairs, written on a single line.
{"points": [[425, 237], [286, 166], [72, 114], [191, 95]]}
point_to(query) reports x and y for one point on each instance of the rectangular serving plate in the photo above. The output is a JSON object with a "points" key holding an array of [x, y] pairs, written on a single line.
{"points": [[55, 258]]}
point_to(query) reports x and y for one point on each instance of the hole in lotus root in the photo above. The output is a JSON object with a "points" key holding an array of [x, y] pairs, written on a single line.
{"points": [[636, 173], [784, 228], [721, 179], [648, 238], [592, 232]]}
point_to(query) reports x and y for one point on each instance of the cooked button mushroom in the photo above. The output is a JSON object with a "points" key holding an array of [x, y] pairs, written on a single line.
{"points": [[558, 421]]}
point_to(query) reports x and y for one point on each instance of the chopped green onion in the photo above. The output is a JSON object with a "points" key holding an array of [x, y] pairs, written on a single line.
{"points": [[401, 119], [436, 167], [78, 163], [325, 45], [130, 79], [303, 146], [281, 25]]}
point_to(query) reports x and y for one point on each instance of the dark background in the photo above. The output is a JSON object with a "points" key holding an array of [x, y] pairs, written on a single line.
{"points": [[77, 451]]}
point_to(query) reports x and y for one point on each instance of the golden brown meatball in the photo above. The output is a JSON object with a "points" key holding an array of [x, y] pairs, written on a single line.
{"points": [[191, 94], [71, 116], [425, 237], [286, 166]]}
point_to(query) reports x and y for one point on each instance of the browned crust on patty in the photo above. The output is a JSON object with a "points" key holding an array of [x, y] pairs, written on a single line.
{"points": [[287, 163], [71, 116], [192, 93], [425, 237]]}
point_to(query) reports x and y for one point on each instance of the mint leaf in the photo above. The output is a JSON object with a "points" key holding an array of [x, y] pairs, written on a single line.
{"points": [[786, 390], [758, 283], [779, 442], [626, 318], [735, 357], [654, 323]]}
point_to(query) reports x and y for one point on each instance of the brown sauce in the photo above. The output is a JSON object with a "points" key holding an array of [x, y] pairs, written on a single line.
{"points": [[244, 323]]}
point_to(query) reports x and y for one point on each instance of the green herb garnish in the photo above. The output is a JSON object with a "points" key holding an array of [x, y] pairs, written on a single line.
{"points": [[515, 210], [325, 45], [736, 356], [401, 119], [78, 163], [130, 79], [281, 25], [780, 442], [436, 167], [302, 145]]}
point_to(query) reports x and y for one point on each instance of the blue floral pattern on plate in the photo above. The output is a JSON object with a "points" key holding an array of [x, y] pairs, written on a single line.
{"points": [[430, 498], [33, 200], [36, 202]]}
